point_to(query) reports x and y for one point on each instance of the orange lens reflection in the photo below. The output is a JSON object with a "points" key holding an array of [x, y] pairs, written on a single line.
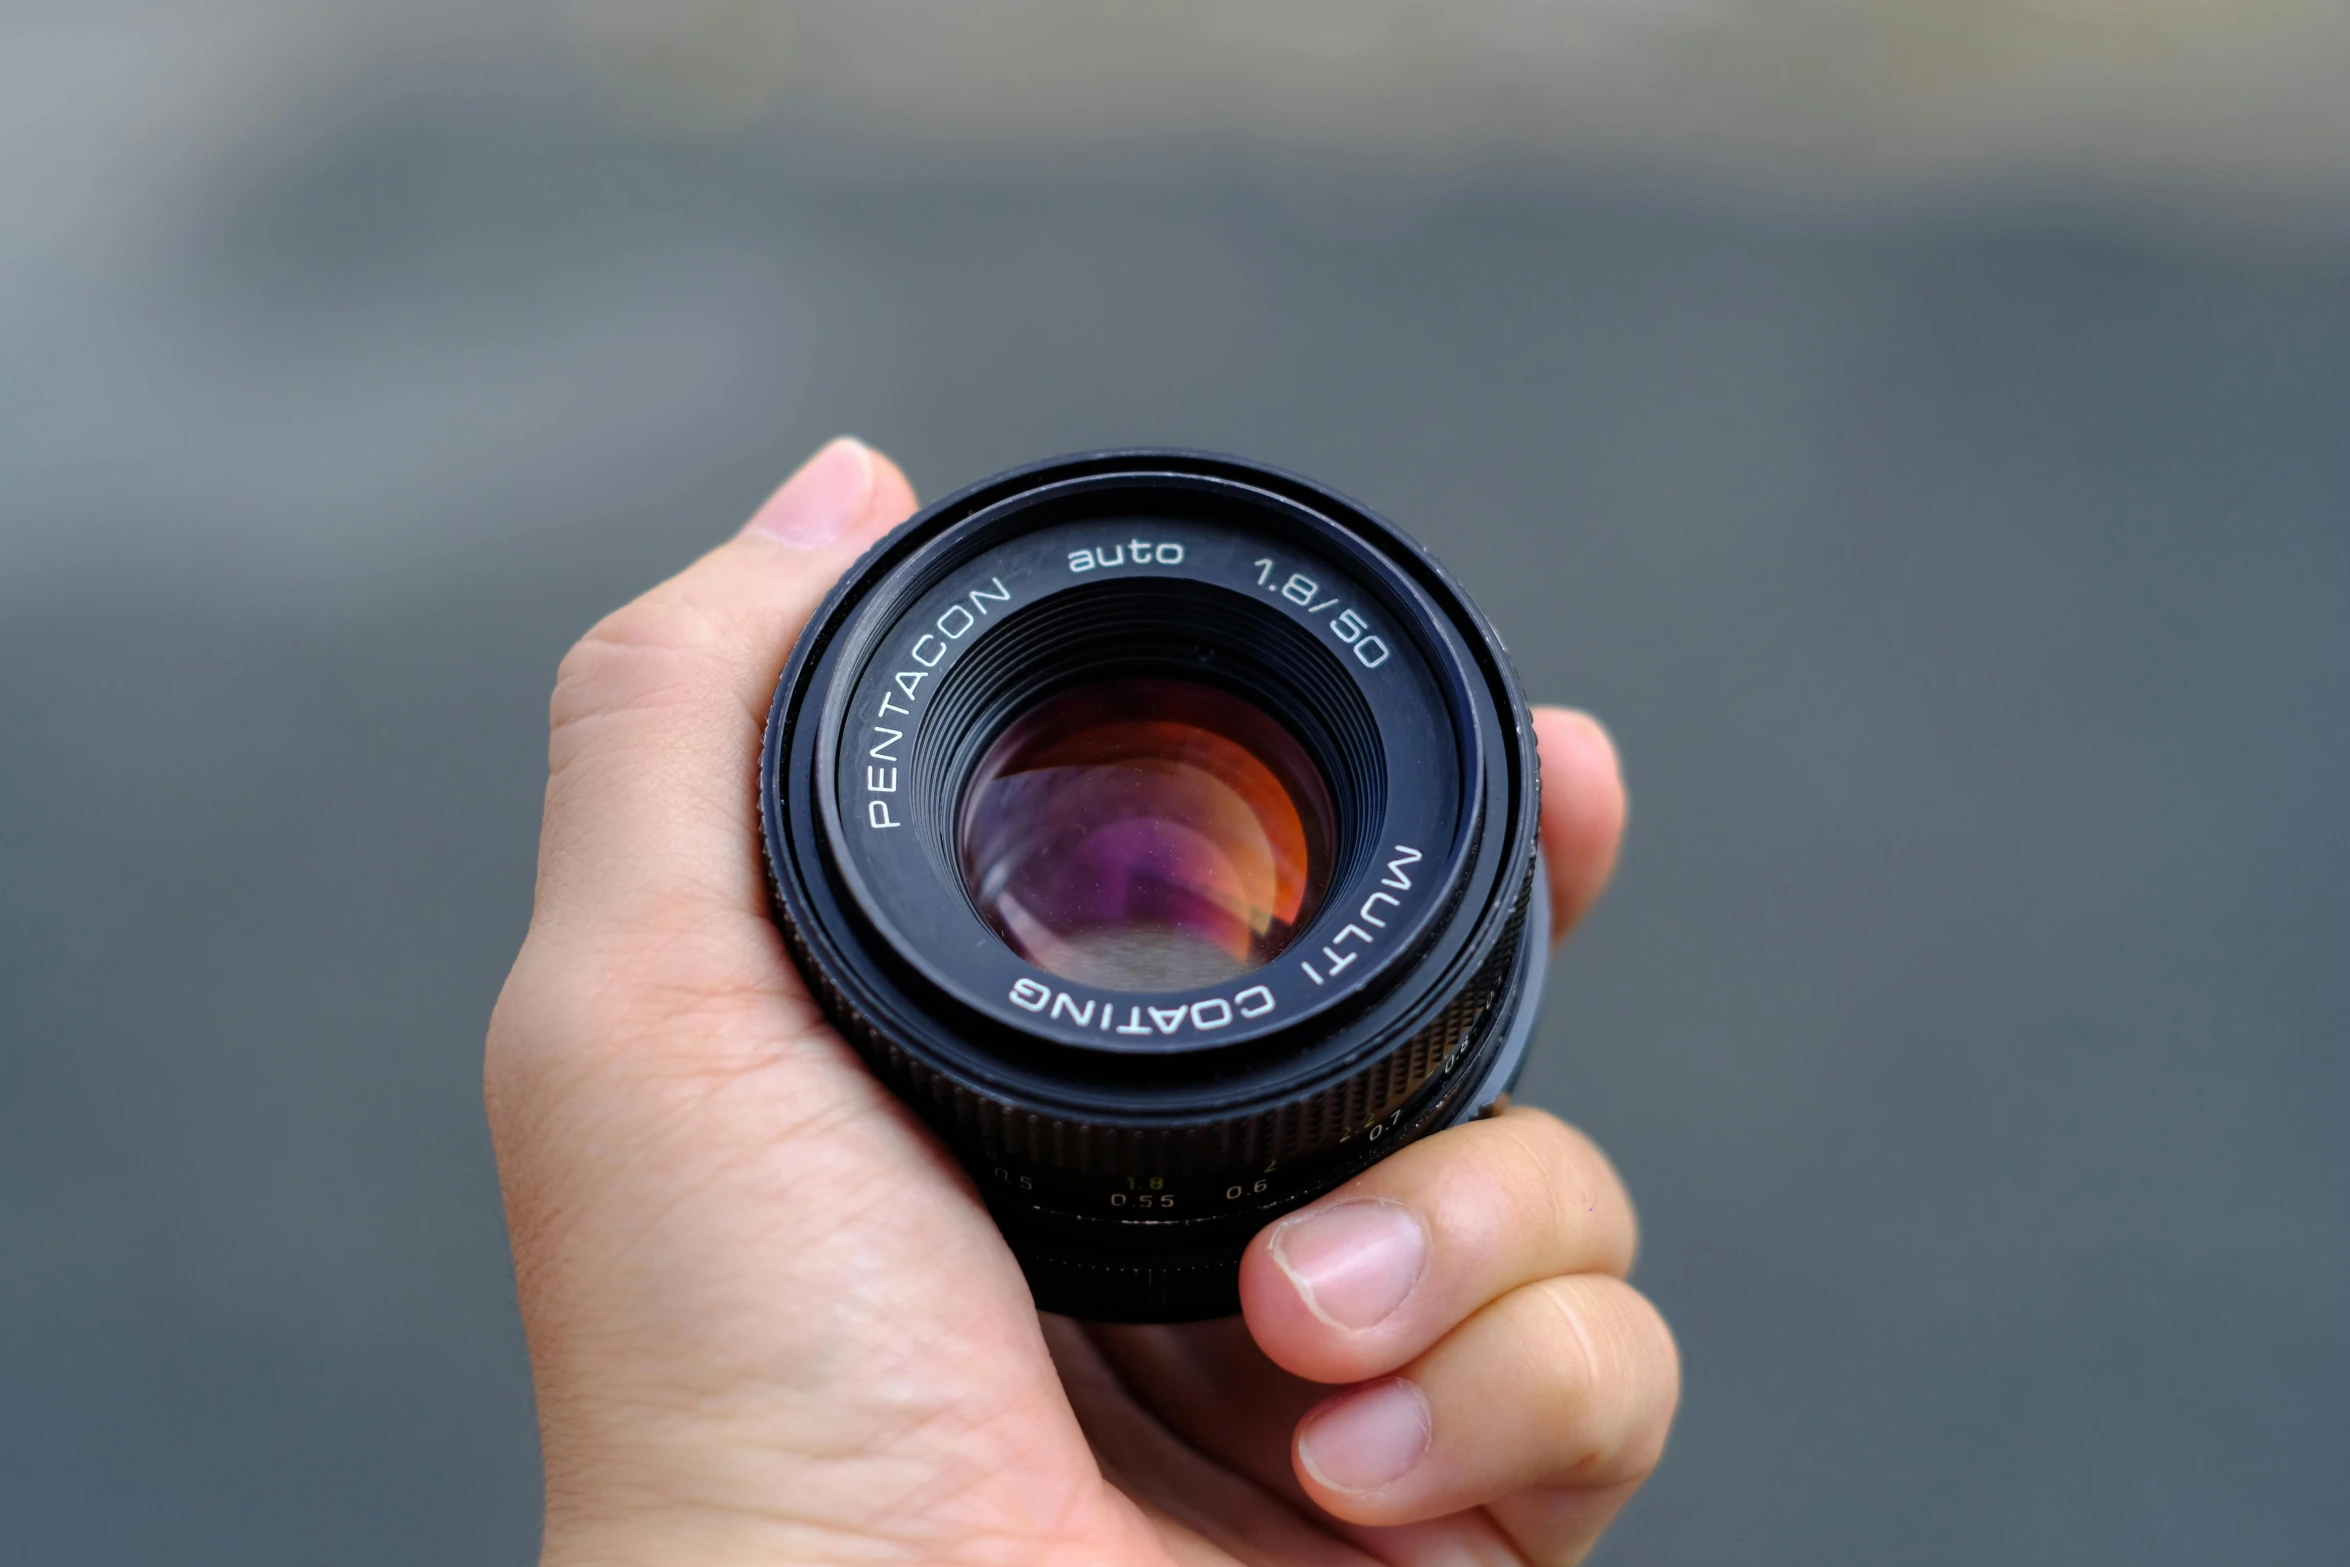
{"points": [[1146, 835]]}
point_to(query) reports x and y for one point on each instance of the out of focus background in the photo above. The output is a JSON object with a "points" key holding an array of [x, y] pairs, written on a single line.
{"points": [[1922, 430]]}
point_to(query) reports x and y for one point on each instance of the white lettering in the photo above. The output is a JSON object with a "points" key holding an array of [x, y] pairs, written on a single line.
{"points": [[1002, 594], [908, 679], [1206, 1016], [1367, 917], [1142, 552], [932, 661], [874, 775], [969, 620], [880, 750], [1405, 855], [877, 814]]}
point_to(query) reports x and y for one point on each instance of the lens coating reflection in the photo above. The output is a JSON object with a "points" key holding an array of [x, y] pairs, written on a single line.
{"points": [[1146, 835]]}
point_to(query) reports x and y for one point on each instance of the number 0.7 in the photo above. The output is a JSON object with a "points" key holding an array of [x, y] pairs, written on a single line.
{"points": [[1349, 627]]}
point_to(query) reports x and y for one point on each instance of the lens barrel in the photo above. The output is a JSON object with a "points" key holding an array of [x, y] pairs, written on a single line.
{"points": [[1161, 827]]}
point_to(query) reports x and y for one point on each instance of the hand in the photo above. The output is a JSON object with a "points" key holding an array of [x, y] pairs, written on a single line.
{"points": [[769, 1319]]}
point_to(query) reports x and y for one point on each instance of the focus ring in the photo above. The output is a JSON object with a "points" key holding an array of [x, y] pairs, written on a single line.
{"points": [[1297, 1133]]}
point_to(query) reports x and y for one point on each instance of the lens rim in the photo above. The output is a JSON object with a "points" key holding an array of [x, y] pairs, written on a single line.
{"points": [[1428, 709]]}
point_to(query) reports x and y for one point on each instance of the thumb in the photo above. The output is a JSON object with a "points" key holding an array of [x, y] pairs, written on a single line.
{"points": [[657, 711]]}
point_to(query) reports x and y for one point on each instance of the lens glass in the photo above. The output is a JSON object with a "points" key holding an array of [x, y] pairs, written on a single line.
{"points": [[1146, 835]]}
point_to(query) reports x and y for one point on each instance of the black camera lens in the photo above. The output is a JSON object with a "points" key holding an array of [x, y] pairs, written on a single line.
{"points": [[1161, 827]]}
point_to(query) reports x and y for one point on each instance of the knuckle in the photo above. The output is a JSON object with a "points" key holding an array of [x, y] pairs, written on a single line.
{"points": [[1618, 1373], [1544, 1152], [530, 1015], [1559, 1340], [497, 1062], [1559, 1180], [612, 1011], [1565, 1147], [644, 654], [1586, 1195], [1664, 1361]]}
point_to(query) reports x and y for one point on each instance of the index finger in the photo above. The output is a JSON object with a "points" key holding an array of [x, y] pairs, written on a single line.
{"points": [[657, 711]]}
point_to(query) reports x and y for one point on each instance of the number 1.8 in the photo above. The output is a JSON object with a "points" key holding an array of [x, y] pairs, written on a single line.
{"points": [[1348, 627]]}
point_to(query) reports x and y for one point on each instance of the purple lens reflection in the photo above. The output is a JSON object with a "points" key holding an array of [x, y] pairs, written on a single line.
{"points": [[1146, 835]]}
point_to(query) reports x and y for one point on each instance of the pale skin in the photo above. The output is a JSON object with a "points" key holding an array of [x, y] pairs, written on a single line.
{"points": [[770, 1321]]}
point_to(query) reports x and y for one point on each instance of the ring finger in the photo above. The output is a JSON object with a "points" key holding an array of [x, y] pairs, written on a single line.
{"points": [[1565, 1384]]}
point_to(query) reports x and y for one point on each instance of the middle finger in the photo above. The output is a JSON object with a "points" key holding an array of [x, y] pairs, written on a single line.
{"points": [[1364, 1279]]}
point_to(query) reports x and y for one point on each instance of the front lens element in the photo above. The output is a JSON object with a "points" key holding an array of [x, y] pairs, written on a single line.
{"points": [[1146, 835]]}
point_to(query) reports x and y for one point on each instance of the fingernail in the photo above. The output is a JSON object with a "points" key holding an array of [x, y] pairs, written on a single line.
{"points": [[1368, 1438], [820, 502], [1353, 1262]]}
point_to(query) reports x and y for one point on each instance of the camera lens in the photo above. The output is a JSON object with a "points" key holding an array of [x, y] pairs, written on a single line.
{"points": [[1146, 835], [1161, 827]]}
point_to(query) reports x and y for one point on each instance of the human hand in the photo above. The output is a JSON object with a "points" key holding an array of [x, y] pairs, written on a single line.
{"points": [[770, 1320]]}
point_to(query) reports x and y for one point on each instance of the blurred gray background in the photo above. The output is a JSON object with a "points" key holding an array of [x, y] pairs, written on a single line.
{"points": [[1923, 432]]}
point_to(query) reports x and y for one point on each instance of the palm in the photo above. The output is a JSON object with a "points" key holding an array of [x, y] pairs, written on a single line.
{"points": [[792, 1230]]}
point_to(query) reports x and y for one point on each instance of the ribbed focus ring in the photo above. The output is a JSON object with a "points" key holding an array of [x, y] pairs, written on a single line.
{"points": [[1300, 1132]]}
